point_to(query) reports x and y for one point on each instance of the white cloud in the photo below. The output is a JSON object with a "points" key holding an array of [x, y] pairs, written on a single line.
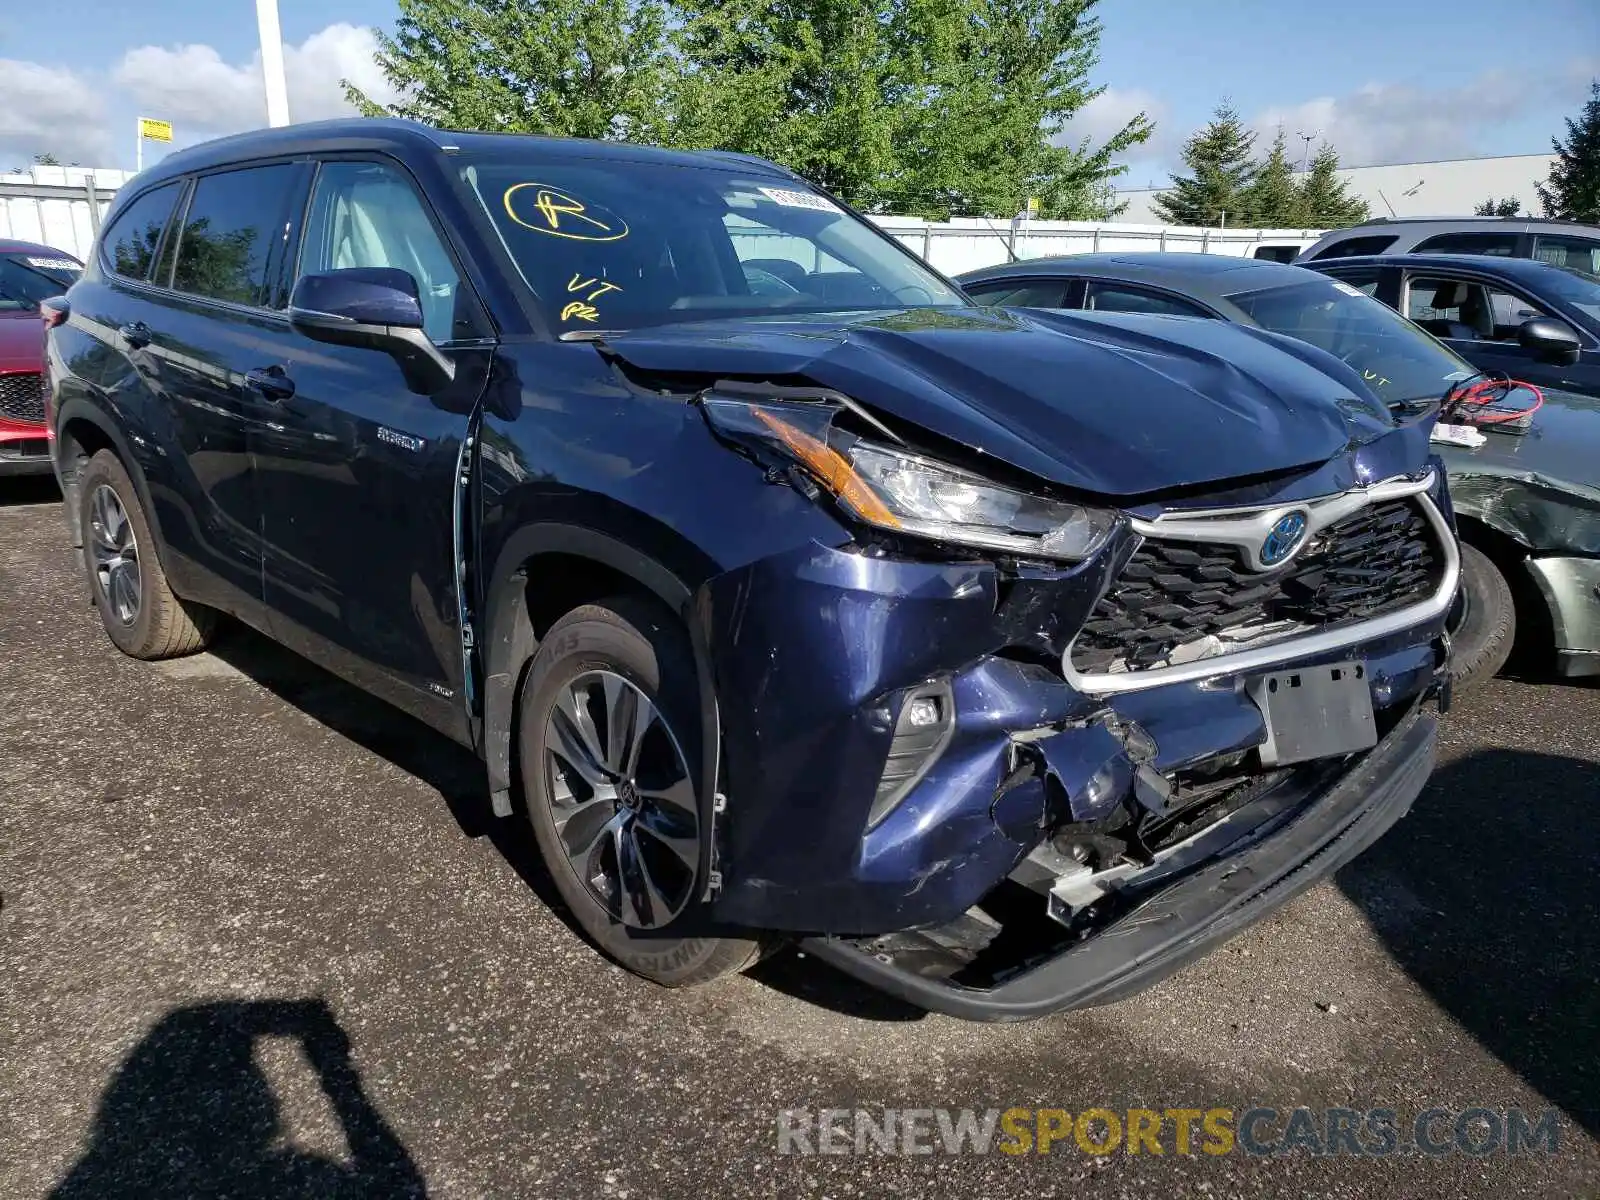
{"points": [[49, 110], [1108, 113], [196, 89], [1394, 123]]}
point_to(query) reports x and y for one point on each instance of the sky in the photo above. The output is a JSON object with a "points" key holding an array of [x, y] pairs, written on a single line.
{"points": [[1384, 81]]}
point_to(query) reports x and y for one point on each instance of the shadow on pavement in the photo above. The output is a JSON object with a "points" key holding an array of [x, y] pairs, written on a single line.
{"points": [[190, 1113], [450, 769], [1485, 894]]}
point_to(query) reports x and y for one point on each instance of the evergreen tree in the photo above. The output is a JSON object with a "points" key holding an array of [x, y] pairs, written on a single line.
{"points": [[1573, 189], [575, 68], [1491, 207], [1325, 204], [1272, 201], [1221, 172]]}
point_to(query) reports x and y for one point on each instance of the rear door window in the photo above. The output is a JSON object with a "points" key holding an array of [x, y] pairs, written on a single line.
{"points": [[1117, 297], [1032, 293], [229, 231], [1502, 244], [129, 246]]}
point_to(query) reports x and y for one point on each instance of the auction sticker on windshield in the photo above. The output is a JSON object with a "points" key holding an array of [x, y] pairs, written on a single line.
{"points": [[793, 199]]}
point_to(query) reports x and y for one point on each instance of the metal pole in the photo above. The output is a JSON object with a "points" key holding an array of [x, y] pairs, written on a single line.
{"points": [[272, 62], [138, 144]]}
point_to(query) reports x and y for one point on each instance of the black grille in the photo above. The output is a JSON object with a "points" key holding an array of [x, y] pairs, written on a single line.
{"points": [[22, 396], [1171, 593]]}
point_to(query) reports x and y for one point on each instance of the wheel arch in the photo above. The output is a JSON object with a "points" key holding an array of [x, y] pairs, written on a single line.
{"points": [[1507, 548], [82, 430], [587, 565]]}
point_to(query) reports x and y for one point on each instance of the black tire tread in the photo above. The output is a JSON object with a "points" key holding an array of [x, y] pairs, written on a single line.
{"points": [[1483, 642]]}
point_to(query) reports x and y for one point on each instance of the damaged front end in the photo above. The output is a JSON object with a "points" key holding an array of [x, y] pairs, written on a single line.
{"points": [[1006, 764]]}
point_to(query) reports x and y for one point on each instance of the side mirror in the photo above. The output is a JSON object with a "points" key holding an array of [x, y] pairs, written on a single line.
{"points": [[375, 308], [1550, 340]]}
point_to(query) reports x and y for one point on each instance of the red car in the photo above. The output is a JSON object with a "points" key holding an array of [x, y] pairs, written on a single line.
{"points": [[29, 273]]}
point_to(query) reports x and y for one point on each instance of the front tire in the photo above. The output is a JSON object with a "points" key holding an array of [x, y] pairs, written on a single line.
{"points": [[140, 613], [609, 741], [1484, 625]]}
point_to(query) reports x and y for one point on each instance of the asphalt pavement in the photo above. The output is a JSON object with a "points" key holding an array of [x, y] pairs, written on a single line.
{"points": [[261, 937]]}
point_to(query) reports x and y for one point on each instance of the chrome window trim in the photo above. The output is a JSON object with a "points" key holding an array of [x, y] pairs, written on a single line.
{"points": [[1187, 526]]}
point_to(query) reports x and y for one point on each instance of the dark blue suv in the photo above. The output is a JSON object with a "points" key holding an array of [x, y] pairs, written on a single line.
{"points": [[1007, 661]]}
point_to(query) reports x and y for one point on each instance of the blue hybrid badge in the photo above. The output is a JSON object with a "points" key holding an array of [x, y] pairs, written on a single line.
{"points": [[1283, 539]]}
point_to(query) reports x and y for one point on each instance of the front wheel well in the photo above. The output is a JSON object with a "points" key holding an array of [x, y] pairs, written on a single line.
{"points": [[1535, 634], [557, 583]]}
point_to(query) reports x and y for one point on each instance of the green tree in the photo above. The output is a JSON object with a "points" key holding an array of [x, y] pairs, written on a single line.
{"points": [[803, 82], [573, 68], [1325, 203], [1573, 189], [990, 88], [1273, 201], [1491, 207], [1221, 172]]}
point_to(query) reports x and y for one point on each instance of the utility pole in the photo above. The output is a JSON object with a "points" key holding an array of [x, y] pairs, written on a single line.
{"points": [[1305, 154], [272, 62]]}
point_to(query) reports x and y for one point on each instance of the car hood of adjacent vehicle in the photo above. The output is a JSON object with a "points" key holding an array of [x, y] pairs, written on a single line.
{"points": [[21, 342], [1115, 406]]}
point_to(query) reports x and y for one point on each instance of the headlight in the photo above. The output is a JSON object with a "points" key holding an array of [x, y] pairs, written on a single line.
{"points": [[886, 487]]}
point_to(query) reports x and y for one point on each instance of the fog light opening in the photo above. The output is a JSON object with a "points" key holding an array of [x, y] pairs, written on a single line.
{"points": [[921, 732]]}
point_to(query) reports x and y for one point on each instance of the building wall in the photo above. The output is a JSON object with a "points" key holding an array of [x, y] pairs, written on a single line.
{"points": [[1447, 188]]}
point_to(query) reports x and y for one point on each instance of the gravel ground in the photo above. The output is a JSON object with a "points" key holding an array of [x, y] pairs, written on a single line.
{"points": [[260, 937]]}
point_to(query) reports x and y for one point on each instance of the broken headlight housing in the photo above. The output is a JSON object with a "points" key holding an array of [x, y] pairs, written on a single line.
{"points": [[891, 488]]}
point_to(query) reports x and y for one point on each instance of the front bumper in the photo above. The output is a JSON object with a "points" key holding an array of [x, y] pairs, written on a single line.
{"points": [[24, 449], [1181, 920], [822, 646]]}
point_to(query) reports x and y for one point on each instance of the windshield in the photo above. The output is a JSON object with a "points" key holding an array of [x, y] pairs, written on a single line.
{"points": [[1578, 288], [1400, 361], [26, 279], [617, 245]]}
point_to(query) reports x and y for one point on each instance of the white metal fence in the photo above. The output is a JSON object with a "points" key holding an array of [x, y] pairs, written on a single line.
{"points": [[57, 206], [972, 242], [63, 206]]}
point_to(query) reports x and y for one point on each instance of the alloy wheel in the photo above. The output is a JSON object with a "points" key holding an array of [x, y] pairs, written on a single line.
{"points": [[623, 799], [115, 554]]}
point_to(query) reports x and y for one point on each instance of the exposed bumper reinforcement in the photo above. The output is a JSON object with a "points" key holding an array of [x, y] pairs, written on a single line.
{"points": [[1180, 922]]}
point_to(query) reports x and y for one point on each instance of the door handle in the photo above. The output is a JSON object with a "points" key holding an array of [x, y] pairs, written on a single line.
{"points": [[271, 382], [136, 334]]}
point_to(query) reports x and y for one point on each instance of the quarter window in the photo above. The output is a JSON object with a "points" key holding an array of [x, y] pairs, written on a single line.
{"points": [[1574, 253], [1108, 297], [228, 232], [133, 238], [366, 214]]}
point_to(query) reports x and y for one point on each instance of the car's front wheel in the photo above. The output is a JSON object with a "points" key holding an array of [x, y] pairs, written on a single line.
{"points": [[609, 744], [139, 610], [1483, 625]]}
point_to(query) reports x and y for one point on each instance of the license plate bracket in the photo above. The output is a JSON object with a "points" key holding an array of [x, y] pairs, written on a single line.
{"points": [[1315, 712]]}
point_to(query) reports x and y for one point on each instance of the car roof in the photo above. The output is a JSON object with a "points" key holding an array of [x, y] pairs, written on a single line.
{"points": [[12, 246], [393, 134], [1201, 275], [1519, 222]]}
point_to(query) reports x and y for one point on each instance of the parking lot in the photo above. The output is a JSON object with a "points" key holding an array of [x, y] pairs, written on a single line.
{"points": [[259, 929]]}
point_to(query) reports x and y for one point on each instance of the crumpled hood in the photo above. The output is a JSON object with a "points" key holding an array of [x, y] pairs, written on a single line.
{"points": [[1117, 406], [21, 342]]}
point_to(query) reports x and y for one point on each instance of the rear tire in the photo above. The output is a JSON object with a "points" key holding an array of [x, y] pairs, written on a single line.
{"points": [[609, 741], [1484, 625], [141, 615]]}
